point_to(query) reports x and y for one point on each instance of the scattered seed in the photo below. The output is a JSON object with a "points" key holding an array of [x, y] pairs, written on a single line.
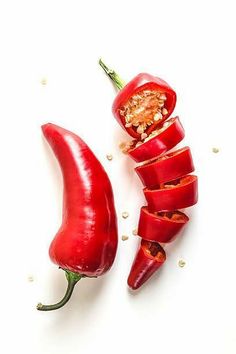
{"points": [[30, 278], [124, 238], [109, 157], [135, 232], [215, 150], [44, 81], [181, 263], [128, 125], [125, 215]]}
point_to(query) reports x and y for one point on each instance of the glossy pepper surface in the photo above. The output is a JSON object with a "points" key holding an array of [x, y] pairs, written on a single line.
{"points": [[145, 116], [166, 168], [86, 243], [173, 195], [165, 140], [160, 227], [149, 258]]}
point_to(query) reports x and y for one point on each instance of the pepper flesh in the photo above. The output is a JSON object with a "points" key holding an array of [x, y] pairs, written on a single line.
{"points": [[160, 226], [167, 168], [168, 185], [138, 86], [168, 136], [175, 195], [86, 243]]}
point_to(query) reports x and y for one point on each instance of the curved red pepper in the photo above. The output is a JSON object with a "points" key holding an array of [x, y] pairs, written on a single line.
{"points": [[150, 256], [162, 226], [166, 168], [171, 197], [86, 243], [139, 83], [168, 137]]}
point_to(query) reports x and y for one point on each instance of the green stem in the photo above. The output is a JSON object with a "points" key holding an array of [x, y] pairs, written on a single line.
{"points": [[72, 279], [119, 83]]}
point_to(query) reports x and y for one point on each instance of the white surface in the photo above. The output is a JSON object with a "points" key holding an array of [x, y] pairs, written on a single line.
{"points": [[190, 45]]}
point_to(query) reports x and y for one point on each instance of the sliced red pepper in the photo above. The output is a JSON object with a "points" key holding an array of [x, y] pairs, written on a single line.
{"points": [[160, 226], [168, 136], [167, 168], [136, 88], [150, 256], [178, 194]]}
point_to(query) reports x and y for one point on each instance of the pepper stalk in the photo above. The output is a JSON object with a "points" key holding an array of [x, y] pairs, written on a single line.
{"points": [[72, 279], [118, 82]]}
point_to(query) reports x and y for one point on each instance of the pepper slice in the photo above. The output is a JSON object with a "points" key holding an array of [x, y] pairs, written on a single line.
{"points": [[166, 168], [160, 226], [142, 104], [150, 256], [178, 194], [171, 133]]}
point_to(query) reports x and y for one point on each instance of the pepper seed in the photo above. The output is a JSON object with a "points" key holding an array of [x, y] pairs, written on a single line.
{"points": [[125, 215], [109, 157], [164, 111], [124, 238], [143, 136], [215, 150], [44, 81], [30, 278], [135, 232], [181, 263]]}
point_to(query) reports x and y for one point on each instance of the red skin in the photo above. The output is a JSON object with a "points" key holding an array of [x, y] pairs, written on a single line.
{"points": [[145, 265], [174, 165], [160, 143], [156, 228], [159, 221], [181, 196], [86, 242], [142, 82]]}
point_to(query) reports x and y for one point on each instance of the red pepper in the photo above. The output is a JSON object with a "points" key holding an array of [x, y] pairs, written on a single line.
{"points": [[150, 256], [86, 243], [141, 83], [166, 177], [173, 195], [166, 168], [165, 140], [160, 226]]}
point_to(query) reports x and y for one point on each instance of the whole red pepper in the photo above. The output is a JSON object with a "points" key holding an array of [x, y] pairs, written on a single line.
{"points": [[86, 243], [166, 177]]}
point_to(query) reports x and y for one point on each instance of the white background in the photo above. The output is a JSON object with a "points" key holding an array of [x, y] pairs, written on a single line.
{"points": [[191, 45]]}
